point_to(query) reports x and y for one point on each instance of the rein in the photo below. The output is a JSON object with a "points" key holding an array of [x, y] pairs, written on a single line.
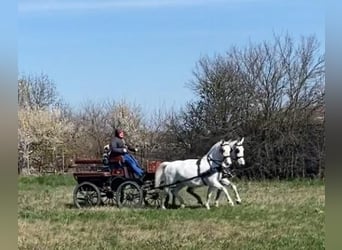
{"points": [[202, 175], [209, 172], [199, 175]]}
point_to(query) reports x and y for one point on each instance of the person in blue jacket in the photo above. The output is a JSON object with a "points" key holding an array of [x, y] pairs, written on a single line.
{"points": [[118, 146]]}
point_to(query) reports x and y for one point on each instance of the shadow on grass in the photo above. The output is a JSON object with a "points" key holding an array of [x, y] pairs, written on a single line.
{"points": [[192, 206], [70, 206]]}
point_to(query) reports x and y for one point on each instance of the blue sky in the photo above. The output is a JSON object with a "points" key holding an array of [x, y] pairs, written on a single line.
{"points": [[144, 51]]}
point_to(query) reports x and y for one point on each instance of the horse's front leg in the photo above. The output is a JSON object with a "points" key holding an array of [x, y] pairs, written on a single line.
{"points": [[238, 199], [221, 187], [225, 182]]}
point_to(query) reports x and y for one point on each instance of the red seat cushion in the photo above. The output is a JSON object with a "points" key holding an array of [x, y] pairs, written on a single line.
{"points": [[116, 159]]}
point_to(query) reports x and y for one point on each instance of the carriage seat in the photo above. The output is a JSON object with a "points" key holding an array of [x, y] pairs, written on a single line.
{"points": [[116, 159], [107, 159]]}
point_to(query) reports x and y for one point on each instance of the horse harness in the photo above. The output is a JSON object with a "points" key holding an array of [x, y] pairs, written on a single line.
{"points": [[212, 170]]}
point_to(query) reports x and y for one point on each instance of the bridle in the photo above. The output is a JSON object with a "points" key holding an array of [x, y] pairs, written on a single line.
{"points": [[233, 155], [236, 152], [219, 162]]}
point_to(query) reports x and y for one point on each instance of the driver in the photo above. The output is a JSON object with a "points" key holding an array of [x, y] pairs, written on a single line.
{"points": [[118, 146]]}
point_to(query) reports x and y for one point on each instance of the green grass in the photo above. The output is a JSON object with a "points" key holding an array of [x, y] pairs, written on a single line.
{"points": [[273, 215], [48, 181]]}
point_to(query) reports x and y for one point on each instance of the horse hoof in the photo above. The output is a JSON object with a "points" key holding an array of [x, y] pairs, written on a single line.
{"points": [[238, 202]]}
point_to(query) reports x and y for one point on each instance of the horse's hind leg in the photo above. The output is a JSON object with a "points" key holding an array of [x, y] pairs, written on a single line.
{"points": [[164, 194], [167, 199], [162, 198], [191, 191], [218, 193], [210, 192], [176, 195], [173, 204]]}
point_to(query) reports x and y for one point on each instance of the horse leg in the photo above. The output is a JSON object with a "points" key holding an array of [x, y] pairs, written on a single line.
{"points": [[238, 199], [167, 199], [218, 193], [165, 194], [176, 195], [166, 202], [162, 196], [210, 192], [170, 195], [225, 182], [191, 191], [219, 186], [173, 204]]}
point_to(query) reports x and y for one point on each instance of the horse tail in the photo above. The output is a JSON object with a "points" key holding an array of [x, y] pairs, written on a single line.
{"points": [[159, 175]]}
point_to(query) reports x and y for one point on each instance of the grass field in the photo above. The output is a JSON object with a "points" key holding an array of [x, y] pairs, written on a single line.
{"points": [[273, 215]]}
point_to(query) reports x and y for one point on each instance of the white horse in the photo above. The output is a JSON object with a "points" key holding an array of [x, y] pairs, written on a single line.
{"points": [[195, 173], [237, 155]]}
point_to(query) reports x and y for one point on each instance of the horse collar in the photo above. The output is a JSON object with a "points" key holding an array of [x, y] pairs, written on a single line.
{"points": [[215, 161]]}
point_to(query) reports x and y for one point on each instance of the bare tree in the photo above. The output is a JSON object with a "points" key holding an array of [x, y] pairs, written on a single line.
{"points": [[269, 93], [96, 123], [37, 91]]}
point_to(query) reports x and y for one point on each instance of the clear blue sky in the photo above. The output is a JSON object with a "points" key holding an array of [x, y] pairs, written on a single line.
{"points": [[144, 51]]}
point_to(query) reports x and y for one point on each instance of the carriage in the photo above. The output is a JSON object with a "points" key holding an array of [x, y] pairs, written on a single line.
{"points": [[113, 183], [110, 182]]}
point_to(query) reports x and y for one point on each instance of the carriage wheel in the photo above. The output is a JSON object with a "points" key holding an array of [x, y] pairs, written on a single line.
{"points": [[108, 195], [108, 198], [86, 194], [129, 194], [152, 198]]}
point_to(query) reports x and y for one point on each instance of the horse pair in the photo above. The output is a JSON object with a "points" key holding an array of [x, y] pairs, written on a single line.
{"points": [[194, 173]]}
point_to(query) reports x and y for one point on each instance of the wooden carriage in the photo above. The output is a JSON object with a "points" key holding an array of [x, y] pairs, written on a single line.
{"points": [[114, 183]]}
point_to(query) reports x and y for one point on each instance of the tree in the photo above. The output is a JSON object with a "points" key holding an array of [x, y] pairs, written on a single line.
{"points": [[96, 123], [37, 91], [41, 133], [267, 92]]}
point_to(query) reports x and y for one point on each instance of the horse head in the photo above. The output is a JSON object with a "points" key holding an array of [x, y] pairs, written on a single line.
{"points": [[237, 153], [226, 149]]}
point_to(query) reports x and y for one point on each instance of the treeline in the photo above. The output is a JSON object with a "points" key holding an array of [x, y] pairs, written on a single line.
{"points": [[272, 93]]}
